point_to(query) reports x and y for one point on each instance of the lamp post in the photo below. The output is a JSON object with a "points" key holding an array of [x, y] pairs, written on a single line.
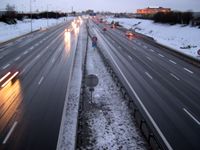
{"points": [[47, 17], [31, 15], [48, 14]]}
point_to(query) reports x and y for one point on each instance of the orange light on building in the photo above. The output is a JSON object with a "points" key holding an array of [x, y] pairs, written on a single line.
{"points": [[10, 98], [152, 10]]}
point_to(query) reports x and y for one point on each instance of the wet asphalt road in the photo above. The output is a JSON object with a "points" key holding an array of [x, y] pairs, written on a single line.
{"points": [[31, 106], [165, 88]]}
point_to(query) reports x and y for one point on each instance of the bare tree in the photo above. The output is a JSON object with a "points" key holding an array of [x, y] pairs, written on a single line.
{"points": [[11, 14], [10, 8]]}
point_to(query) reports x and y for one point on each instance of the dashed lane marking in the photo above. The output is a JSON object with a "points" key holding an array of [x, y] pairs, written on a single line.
{"points": [[191, 116], [148, 75], [172, 61], [174, 76], [10, 132], [188, 70], [41, 79]]}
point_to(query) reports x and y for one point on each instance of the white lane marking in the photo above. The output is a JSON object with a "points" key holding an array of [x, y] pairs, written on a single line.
{"points": [[144, 46], [174, 76], [10, 132], [41, 79], [53, 60], [32, 48], [188, 70], [142, 105], [148, 75], [6, 66], [148, 58], [17, 58], [37, 56], [22, 72], [185, 110], [25, 52], [172, 61], [161, 55], [130, 57], [152, 50]]}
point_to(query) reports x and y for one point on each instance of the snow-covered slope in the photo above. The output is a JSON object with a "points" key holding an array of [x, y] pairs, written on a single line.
{"points": [[8, 32], [183, 39]]}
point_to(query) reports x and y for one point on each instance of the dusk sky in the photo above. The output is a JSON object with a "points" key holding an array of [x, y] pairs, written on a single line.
{"points": [[102, 5]]}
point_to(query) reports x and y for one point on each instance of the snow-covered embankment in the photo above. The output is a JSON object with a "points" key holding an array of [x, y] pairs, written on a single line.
{"points": [[185, 39]]}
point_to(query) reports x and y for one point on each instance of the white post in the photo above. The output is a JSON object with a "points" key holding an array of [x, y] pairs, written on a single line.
{"points": [[31, 15], [47, 17]]}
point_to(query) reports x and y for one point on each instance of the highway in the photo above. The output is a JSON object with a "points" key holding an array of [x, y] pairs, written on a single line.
{"points": [[165, 88], [31, 106]]}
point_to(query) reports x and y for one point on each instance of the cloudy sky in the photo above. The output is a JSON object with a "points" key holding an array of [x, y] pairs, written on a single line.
{"points": [[102, 5]]}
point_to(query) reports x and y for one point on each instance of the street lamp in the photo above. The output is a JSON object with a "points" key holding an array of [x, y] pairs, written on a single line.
{"points": [[31, 15], [48, 15]]}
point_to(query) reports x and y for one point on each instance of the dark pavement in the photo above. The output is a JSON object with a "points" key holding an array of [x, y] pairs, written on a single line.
{"points": [[165, 88], [31, 106]]}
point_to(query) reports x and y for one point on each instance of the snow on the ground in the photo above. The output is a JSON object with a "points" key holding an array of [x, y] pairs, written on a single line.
{"points": [[8, 32], [108, 118], [185, 39]]}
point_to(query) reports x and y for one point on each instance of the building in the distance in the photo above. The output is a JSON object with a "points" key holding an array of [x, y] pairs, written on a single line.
{"points": [[152, 10]]}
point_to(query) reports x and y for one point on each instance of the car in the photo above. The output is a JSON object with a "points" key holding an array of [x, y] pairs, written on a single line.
{"points": [[129, 34], [68, 30], [113, 26], [104, 29]]}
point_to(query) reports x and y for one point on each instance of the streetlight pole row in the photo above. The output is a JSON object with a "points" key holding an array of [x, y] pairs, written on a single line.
{"points": [[31, 15]]}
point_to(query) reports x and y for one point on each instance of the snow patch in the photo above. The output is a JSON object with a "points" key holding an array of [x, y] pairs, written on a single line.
{"points": [[8, 32], [185, 39]]}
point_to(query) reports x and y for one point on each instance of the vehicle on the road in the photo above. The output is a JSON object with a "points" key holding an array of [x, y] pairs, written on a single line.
{"points": [[129, 34], [104, 29], [101, 20], [113, 26], [68, 30], [10, 76]]}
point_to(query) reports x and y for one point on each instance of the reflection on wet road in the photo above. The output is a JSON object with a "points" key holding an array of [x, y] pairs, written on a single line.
{"points": [[10, 98]]}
